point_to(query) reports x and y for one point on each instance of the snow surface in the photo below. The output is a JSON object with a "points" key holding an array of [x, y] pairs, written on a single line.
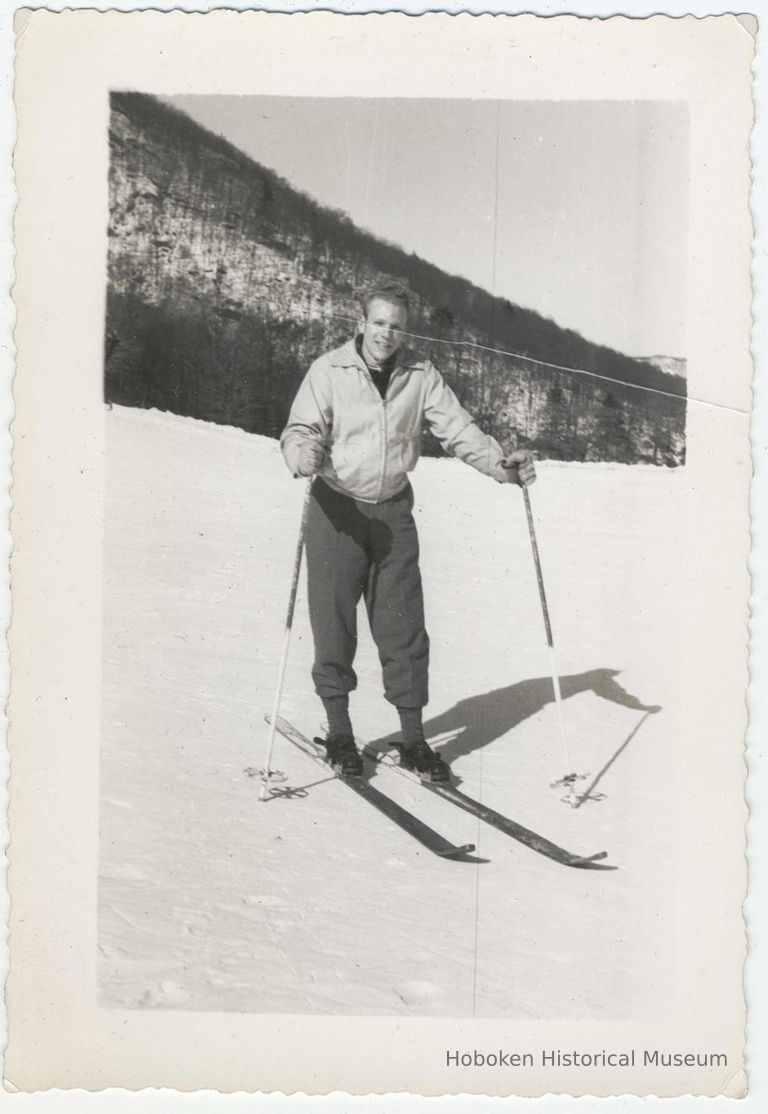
{"points": [[313, 902]]}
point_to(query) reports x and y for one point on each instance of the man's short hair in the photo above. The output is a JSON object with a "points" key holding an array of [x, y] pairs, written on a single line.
{"points": [[389, 290]]}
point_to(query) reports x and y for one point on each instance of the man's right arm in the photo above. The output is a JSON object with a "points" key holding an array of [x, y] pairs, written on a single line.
{"points": [[306, 437]]}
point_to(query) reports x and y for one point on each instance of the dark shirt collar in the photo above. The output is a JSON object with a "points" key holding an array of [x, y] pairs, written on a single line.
{"points": [[386, 368], [380, 375]]}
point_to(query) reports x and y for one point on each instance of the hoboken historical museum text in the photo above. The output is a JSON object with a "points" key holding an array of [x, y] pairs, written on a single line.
{"points": [[559, 1058]]}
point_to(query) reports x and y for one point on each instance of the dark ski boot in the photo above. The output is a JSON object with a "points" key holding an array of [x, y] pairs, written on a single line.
{"points": [[343, 756], [422, 760]]}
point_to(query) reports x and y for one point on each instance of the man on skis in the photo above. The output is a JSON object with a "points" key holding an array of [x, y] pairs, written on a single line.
{"points": [[355, 425]]}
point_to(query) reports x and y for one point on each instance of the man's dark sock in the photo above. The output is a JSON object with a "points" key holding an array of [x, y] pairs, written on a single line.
{"points": [[411, 725], [337, 711]]}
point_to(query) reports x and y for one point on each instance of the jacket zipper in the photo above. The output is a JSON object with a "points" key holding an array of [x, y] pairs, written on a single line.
{"points": [[383, 467], [382, 423], [395, 371], [382, 428]]}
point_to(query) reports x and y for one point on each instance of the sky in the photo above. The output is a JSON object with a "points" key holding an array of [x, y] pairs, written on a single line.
{"points": [[575, 209]]}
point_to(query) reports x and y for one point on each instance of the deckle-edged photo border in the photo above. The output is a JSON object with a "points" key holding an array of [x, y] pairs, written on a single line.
{"points": [[98, 1048]]}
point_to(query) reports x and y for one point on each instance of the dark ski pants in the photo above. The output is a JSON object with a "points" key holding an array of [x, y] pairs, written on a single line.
{"points": [[368, 550]]}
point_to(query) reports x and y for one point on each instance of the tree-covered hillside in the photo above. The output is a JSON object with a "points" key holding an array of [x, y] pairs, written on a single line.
{"points": [[225, 282]]}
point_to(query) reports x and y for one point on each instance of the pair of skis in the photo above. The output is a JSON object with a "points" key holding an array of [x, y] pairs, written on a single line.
{"points": [[391, 809], [420, 831]]}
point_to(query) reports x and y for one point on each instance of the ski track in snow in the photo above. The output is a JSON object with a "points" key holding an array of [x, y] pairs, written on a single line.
{"points": [[315, 903]]}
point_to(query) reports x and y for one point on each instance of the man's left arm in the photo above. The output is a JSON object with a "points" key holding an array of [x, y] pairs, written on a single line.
{"points": [[460, 436]]}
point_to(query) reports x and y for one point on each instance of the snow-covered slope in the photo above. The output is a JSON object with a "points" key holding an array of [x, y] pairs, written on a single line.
{"points": [[312, 902]]}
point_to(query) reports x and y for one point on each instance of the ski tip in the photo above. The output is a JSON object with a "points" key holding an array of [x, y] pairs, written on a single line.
{"points": [[591, 862], [457, 852]]}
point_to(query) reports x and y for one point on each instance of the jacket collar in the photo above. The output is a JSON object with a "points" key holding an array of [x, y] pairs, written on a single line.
{"points": [[348, 356]]}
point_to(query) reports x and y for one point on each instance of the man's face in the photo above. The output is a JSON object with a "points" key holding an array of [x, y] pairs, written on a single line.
{"points": [[382, 330]]}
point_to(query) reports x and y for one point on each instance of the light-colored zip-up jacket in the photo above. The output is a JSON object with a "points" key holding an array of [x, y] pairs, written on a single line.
{"points": [[373, 442]]}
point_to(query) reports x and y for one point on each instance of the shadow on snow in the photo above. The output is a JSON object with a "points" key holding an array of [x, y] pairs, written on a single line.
{"points": [[476, 721]]}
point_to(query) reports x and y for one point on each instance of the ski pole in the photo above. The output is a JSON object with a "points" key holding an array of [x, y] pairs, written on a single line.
{"points": [[569, 779], [286, 642]]}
